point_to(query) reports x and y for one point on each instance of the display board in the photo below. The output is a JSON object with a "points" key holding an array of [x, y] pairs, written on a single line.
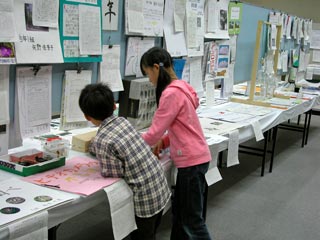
{"points": [[80, 30]]}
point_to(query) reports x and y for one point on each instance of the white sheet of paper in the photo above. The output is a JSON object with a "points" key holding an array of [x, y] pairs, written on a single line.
{"points": [[36, 198], [302, 66], [153, 17], [122, 209], [8, 32], [210, 92], [136, 47], [36, 44], [213, 176], [186, 71], [233, 148], [110, 68], [196, 74], [316, 55], [257, 130], [217, 19], [179, 14], [94, 2], [34, 227], [34, 100], [195, 37], [75, 82], [90, 30], [175, 41], [71, 20], [45, 13], [4, 107], [110, 15], [4, 118], [284, 61], [135, 18]]}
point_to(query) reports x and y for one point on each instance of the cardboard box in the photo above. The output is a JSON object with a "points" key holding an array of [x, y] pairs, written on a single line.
{"points": [[10, 163], [81, 142]]}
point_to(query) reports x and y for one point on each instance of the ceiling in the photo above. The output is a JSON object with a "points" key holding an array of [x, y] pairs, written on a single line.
{"points": [[305, 9]]}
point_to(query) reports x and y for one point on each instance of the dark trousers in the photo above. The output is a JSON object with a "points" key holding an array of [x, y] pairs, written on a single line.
{"points": [[147, 227], [189, 204]]}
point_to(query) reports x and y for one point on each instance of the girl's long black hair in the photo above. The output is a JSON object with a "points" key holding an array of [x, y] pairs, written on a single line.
{"points": [[157, 55]]}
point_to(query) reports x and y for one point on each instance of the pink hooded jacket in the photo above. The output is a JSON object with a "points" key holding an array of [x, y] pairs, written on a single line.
{"points": [[177, 114]]}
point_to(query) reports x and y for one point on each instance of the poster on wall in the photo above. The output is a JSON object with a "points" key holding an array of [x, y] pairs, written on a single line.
{"points": [[110, 15], [217, 19], [36, 44], [81, 41], [235, 17]]}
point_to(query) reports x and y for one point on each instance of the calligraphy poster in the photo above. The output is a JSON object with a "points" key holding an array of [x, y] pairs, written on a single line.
{"points": [[36, 44], [110, 15], [69, 32], [80, 175]]}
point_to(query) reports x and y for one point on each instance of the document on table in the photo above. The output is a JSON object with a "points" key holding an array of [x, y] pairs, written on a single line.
{"points": [[34, 100], [213, 175], [233, 148], [34, 227], [90, 30], [122, 209], [45, 13], [19, 199], [257, 130]]}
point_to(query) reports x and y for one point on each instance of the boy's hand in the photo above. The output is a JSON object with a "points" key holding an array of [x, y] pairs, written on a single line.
{"points": [[157, 148]]}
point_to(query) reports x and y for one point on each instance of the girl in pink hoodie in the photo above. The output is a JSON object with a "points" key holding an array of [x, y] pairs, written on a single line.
{"points": [[176, 124]]}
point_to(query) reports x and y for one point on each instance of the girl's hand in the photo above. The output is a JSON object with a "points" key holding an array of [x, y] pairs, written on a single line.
{"points": [[157, 148]]}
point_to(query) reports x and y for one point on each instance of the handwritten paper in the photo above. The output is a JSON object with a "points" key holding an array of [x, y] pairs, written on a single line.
{"points": [[45, 13], [19, 199], [144, 17], [175, 41], [74, 83], [70, 20], [8, 31], [34, 100], [136, 47], [110, 68], [120, 199], [89, 30], [80, 175]]}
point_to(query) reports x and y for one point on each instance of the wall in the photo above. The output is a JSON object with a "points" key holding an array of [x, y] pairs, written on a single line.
{"points": [[244, 58], [304, 9]]}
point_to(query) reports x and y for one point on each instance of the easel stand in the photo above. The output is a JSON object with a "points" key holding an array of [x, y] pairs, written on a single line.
{"points": [[255, 65]]}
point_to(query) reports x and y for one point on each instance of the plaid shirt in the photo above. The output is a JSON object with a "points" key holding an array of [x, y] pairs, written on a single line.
{"points": [[124, 154]]}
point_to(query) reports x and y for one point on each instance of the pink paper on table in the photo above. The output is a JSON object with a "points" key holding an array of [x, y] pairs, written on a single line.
{"points": [[80, 175]]}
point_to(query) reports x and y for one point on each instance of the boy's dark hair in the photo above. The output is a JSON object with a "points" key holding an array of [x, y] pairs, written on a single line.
{"points": [[162, 57], [97, 101]]}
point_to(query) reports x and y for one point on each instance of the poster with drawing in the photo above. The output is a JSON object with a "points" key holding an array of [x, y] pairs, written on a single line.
{"points": [[80, 175], [19, 199]]}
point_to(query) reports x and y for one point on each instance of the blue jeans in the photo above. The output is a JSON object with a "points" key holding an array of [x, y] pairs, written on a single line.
{"points": [[189, 204]]}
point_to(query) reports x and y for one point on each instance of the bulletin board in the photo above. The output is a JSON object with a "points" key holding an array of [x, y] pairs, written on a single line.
{"points": [[69, 15]]}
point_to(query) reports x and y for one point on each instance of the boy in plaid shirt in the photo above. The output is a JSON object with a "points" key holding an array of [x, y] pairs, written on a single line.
{"points": [[124, 154]]}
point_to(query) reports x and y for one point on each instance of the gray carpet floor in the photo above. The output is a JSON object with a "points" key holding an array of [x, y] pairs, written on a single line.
{"points": [[282, 205]]}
